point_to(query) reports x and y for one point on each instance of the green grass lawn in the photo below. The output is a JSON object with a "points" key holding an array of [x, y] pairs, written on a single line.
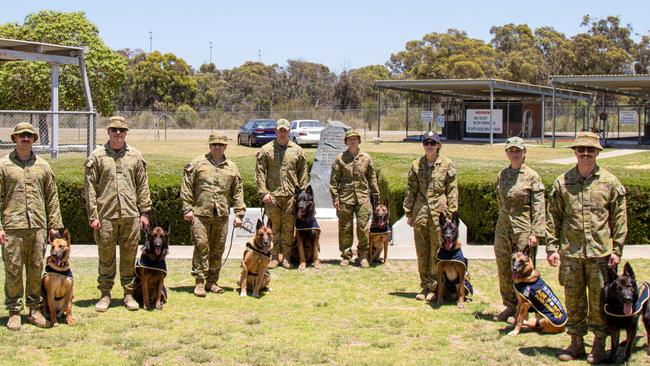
{"points": [[335, 316]]}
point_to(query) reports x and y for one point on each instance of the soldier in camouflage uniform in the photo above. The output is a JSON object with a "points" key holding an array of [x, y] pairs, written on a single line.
{"points": [[118, 201], [211, 184], [352, 183], [522, 218], [281, 168], [28, 194], [586, 229], [432, 189]]}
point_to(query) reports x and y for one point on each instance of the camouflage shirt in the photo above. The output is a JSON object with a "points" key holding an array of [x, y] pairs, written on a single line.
{"points": [[353, 178], [586, 216], [116, 184], [520, 196], [280, 169], [210, 189], [28, 194], [430, 189]]}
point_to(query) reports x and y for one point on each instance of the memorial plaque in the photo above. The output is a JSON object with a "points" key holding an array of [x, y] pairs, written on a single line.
{"points": [[330, 145]]}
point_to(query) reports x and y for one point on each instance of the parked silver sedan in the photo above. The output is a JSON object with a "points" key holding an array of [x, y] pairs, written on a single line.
{"points": [[305, 131]]}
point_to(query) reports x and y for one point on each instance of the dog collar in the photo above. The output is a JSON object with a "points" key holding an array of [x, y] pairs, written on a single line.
{"points": [[65, 273]]}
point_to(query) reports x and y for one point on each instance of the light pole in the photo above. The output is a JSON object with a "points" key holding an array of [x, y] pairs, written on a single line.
{"points": [[150, 41], [210, 52]]}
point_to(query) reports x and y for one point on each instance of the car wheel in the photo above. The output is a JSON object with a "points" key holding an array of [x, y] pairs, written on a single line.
{"points": [[250, 141], [295, 140], [238, 139]]}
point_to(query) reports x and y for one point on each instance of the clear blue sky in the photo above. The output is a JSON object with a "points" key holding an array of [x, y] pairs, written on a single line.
{"points": [[339, 34]]}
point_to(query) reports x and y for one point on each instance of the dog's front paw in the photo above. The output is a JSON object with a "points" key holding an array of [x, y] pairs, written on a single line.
{"points": [[513, 333], [243, 294], [159, 306], [302, 266], [70, 320], [461, 305], [256, 295], [317, 265], [55, 324]]}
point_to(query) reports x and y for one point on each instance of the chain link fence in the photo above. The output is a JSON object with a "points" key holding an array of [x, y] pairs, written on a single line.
{"points": [[57, 131]]}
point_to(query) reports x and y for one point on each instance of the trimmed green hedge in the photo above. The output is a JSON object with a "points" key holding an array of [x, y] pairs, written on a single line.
{"points": [[477, 197]]}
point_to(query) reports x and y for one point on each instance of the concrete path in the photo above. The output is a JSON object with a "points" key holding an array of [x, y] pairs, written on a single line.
{"points": [[605, 155]]}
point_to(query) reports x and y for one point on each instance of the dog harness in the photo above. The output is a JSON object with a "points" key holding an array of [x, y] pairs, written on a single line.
{"points": [[309, 224], [543, 300], [49, 271], [260, 256], [455, 256], [644, 294], [157, 265]]}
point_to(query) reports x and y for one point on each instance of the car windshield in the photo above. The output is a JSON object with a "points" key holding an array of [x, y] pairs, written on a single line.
{"points": [[265, 124], [311, 124]]}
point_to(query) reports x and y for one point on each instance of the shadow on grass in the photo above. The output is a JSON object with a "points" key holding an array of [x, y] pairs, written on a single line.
{"points": [[405, 294], [485, 316], [536, 351], [91, 303]]}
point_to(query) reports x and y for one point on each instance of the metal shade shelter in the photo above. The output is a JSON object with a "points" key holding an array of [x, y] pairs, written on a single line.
{"points": [[494, 89], [630, 85], [55, 55]]}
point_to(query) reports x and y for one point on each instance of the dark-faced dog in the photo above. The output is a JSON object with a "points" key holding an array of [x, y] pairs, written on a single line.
{"points": [[57, 284], [626, 300], [151, 269], [257, 255], [452, 266], [307, 246], [379, 234], [532, 291]]}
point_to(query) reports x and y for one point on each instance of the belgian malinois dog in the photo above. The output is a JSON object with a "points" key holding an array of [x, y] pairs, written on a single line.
{"points": [[257, 255], [57, 284]]}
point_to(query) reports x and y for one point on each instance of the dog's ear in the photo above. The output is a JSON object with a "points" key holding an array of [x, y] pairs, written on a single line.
{"points": [[268, 223], [53, 236], [611, 274], [455, 218], [526, 251], [442, 220], [259, 224], [627, 270], [309, 190], [386, 202], [66, 236]]}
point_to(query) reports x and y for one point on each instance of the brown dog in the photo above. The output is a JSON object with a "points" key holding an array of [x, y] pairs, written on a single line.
{"points": [[257, 255], [452, 265], [379, 234], [532, 291], [151, 269], [307, 239], [57, 285]]}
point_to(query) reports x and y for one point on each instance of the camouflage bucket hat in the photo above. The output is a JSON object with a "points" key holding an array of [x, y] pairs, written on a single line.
{"points": [[117, 122], [587, 139], [218, 138], [282, 124], [517, 142], [24, 127], [431, 135], [351, 133]]}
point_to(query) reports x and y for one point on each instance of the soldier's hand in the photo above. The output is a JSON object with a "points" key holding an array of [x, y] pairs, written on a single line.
{"points": [[336, 204], [532, 241], [144, 221], [267, 198], [553, 259], [237, 222], [409, 221], [96, 224], [188, 216], [614, 260], [3, 237]]}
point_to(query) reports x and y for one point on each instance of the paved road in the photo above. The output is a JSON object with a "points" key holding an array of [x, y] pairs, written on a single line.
{"points": [[605, 155]]}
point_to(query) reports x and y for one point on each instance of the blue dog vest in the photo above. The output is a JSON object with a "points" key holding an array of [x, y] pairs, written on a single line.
{"points": [[156, 265], [310, 224], [644, 294], [543, 300], [456, 256]]}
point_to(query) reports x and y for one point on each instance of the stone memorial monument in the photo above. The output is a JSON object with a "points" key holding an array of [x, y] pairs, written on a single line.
{"points": [[330, 145]]}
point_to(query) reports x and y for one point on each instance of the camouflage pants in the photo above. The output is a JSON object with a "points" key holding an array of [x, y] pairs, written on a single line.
{"points": [[504, 240], [126, 233], [283, 219], [24, 247], [427, 243], [581, 277], [345, 213], [209, 235]]}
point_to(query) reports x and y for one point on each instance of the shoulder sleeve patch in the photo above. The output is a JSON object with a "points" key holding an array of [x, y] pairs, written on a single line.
{"points": [[188, 167], [621, 190], [89, 163]]}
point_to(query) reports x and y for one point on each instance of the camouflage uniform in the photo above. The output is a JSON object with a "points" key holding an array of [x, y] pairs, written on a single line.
{"points": [[586, 223], [117, 193], [209, 189], [279, 171], [431, 190], [520, 194], [30, 206], [352, 181]]}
